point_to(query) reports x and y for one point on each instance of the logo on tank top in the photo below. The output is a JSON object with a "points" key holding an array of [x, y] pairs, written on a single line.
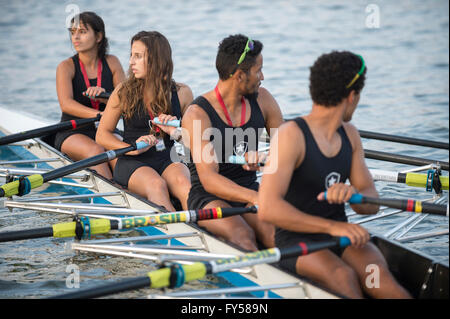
{"points": [[332, 179], [240, 149]]}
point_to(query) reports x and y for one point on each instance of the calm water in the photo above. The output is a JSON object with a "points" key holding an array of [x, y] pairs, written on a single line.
{"points": [[406, 93]]}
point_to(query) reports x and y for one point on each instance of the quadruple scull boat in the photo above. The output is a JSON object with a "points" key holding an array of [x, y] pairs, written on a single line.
{"points": [[423, 276]]}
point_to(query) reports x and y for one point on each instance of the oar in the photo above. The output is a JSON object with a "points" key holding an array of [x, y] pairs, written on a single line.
{"points": [[410, 179], [409, 205], [377, 155], [173, 123], [103, 95], [25, 184], [240, 160], [403, 159], [391, 138], [176, 275], [62, 126], [403, 139], [88, 227]]}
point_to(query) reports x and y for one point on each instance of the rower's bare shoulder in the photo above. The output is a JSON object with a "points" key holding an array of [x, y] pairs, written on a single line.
{"points": [[66, 67], [195, 112], [353, 134], [185, 95], [265, 98], [290, 131], [114, 63]]}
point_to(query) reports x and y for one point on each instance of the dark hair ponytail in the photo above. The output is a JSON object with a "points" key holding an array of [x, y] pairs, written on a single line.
{"points": [[97, 24]]}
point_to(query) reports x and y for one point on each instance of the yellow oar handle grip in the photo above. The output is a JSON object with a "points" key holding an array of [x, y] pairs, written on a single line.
{"points": [[97, 226], [28, 183], [162, 277], [420, 180]]}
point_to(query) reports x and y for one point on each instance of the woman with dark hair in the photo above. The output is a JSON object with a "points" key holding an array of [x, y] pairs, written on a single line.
{"points": [[79, 79], [149, 92]]}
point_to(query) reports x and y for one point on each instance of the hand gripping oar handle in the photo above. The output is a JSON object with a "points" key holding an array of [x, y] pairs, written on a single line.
{"points": [[173, 123], [240, 160], [62, 126], [24, 185], [409, 205], [83, 227], [176, 275]]}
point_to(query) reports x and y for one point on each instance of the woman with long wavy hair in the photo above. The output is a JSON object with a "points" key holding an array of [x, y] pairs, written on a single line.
{"points": [[79, 79], [148, 92]]}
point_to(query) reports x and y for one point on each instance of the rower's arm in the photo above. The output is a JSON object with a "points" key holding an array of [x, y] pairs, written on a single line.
{"points": [[105, 131], [185, 96], [116, 69], [360, 177], [270, 109], [64, 89], [284, 158], [195, 122]]}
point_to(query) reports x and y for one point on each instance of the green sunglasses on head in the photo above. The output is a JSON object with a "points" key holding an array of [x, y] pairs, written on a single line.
{"points": [[359, 73], [248, 47]]}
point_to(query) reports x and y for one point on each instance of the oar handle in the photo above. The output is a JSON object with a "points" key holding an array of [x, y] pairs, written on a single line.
{"points": [[173, 123], [240, 160], [355, 199], [409, 205]]}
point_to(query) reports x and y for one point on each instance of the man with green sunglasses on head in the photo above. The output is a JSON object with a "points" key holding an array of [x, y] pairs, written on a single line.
{"points": [[228, 121]]}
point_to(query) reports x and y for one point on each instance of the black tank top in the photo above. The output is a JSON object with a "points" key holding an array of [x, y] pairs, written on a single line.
{"points": [[318, 172], [244, 138], [138, 125], [78, 86]]}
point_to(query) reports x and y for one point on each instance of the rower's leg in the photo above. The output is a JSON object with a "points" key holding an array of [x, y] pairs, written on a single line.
{"points": [[233, 229], [146, 182], [79, 146], [327, 269], [373, 272], [178, 181], [265, 232]]}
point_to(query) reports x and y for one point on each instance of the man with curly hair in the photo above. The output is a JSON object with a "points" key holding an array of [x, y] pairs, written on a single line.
{"points": [[227, 121], [317, 153]]}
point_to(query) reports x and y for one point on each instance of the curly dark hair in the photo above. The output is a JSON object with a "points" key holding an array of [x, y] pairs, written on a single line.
{"points": [[230, 50], [330, 75]]}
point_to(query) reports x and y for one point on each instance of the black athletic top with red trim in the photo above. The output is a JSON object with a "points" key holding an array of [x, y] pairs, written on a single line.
{"points": [[232, 141], [79, 86]]}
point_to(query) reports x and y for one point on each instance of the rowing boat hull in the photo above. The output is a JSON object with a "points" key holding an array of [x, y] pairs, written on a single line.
{"points": [[425, 279]]}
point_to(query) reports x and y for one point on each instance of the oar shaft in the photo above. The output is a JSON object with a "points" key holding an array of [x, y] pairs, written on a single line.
{"points": [[177, 275], [409, 205], [91, 161], [403, 139], [62, 126], [106, 290], [403, 159], [24, 186], [26, 234], [103, 226]]}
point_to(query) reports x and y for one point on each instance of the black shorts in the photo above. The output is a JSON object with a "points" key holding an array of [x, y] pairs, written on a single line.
{"points": [[199, 197], [285, 238], [60, 137], [126, 165]]}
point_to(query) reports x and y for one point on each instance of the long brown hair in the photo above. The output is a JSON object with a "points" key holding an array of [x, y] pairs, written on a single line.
{"points": [[158, 79]]}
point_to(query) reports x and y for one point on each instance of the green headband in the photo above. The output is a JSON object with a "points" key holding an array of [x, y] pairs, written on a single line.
{"points": [[359, 73]]}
